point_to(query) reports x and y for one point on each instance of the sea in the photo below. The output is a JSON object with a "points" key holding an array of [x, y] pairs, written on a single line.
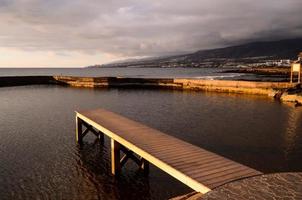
{"points": [[40, 159]]}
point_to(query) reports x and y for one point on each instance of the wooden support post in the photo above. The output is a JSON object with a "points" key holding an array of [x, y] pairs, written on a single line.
{"points": [[115, 157], [123, 160], [141, 162], [101, 137], [91, 129], [79, 130], [145, 166]]}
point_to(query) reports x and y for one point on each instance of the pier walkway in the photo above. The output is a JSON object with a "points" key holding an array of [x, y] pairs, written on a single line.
{"points": [[195, 167]]}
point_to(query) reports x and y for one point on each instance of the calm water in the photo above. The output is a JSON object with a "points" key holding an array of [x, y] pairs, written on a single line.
{"points": [[40, 160], [124, 72], [200, 73]]}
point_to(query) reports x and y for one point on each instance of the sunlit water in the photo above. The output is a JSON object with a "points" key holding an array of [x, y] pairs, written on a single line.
{"points": [[39, 158]]}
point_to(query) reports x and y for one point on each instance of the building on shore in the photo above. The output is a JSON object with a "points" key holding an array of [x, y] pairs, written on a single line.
{"points": [[296, 67]]}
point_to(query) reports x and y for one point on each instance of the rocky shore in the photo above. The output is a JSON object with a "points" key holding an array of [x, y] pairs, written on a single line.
{"points": [[293, 95], [283, 91]]}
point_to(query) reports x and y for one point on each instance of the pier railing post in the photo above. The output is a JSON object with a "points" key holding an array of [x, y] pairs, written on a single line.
{"points": [[79, 130], [115, 157]]}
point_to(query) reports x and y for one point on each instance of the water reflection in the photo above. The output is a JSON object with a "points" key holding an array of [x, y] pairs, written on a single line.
{"points": [[292, 136], [94, 163]]}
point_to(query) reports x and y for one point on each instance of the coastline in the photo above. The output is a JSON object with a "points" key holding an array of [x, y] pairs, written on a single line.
{"points": [[284, 91]]}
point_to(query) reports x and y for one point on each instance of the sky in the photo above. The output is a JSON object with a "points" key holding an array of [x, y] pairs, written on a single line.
{"points": [[77, 33]]}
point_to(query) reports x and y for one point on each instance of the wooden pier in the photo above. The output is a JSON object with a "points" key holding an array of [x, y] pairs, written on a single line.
{"points": [[196, 167]]}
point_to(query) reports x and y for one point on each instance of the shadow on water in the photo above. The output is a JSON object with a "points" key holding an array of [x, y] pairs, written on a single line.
{"points": [[94, 162]]}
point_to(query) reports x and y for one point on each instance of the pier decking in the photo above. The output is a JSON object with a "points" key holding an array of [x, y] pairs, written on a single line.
{"points": [[196, 167]]}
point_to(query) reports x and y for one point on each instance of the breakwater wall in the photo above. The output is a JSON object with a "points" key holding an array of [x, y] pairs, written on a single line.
{"points": [[247, 87], [277, 90], [111, 82], [7, 81]]}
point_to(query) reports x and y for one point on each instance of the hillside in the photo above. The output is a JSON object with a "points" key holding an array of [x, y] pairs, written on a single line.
{"points": [[283, 49], [256, 52]]}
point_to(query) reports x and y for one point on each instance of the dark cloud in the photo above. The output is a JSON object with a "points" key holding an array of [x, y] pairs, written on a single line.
{"points": [[144, 28]]}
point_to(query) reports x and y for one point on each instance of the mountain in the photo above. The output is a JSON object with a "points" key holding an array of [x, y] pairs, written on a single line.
{"points": [[249, 53], [283, 49]]}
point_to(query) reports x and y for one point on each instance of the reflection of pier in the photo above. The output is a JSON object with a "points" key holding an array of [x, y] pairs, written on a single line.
{"points": [[93, 166], [197, 168], [294, 120]]}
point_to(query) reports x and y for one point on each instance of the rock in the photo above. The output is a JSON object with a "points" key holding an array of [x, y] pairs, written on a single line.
{"points": [[276, 94]]}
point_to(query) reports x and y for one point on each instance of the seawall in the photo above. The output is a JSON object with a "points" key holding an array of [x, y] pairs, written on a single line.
{"points": [[277, 90], [7, 81], [247, 87], [110, 82]]}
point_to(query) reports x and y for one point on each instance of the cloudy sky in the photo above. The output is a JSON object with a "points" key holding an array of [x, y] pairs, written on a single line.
{"points": [[75, 33]]}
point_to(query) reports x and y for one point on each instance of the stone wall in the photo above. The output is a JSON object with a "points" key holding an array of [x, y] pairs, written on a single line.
{"points": [[273, 89]]}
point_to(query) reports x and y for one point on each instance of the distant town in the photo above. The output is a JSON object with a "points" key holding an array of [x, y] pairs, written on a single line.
{"points": [[217, 62]]}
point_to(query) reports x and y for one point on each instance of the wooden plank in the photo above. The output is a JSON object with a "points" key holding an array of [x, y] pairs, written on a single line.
{"points": [[181, 156], [192, 158], [211, 174], [209, 167], [213, 183], [219, 177], [162, 150], [196, 167]]}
